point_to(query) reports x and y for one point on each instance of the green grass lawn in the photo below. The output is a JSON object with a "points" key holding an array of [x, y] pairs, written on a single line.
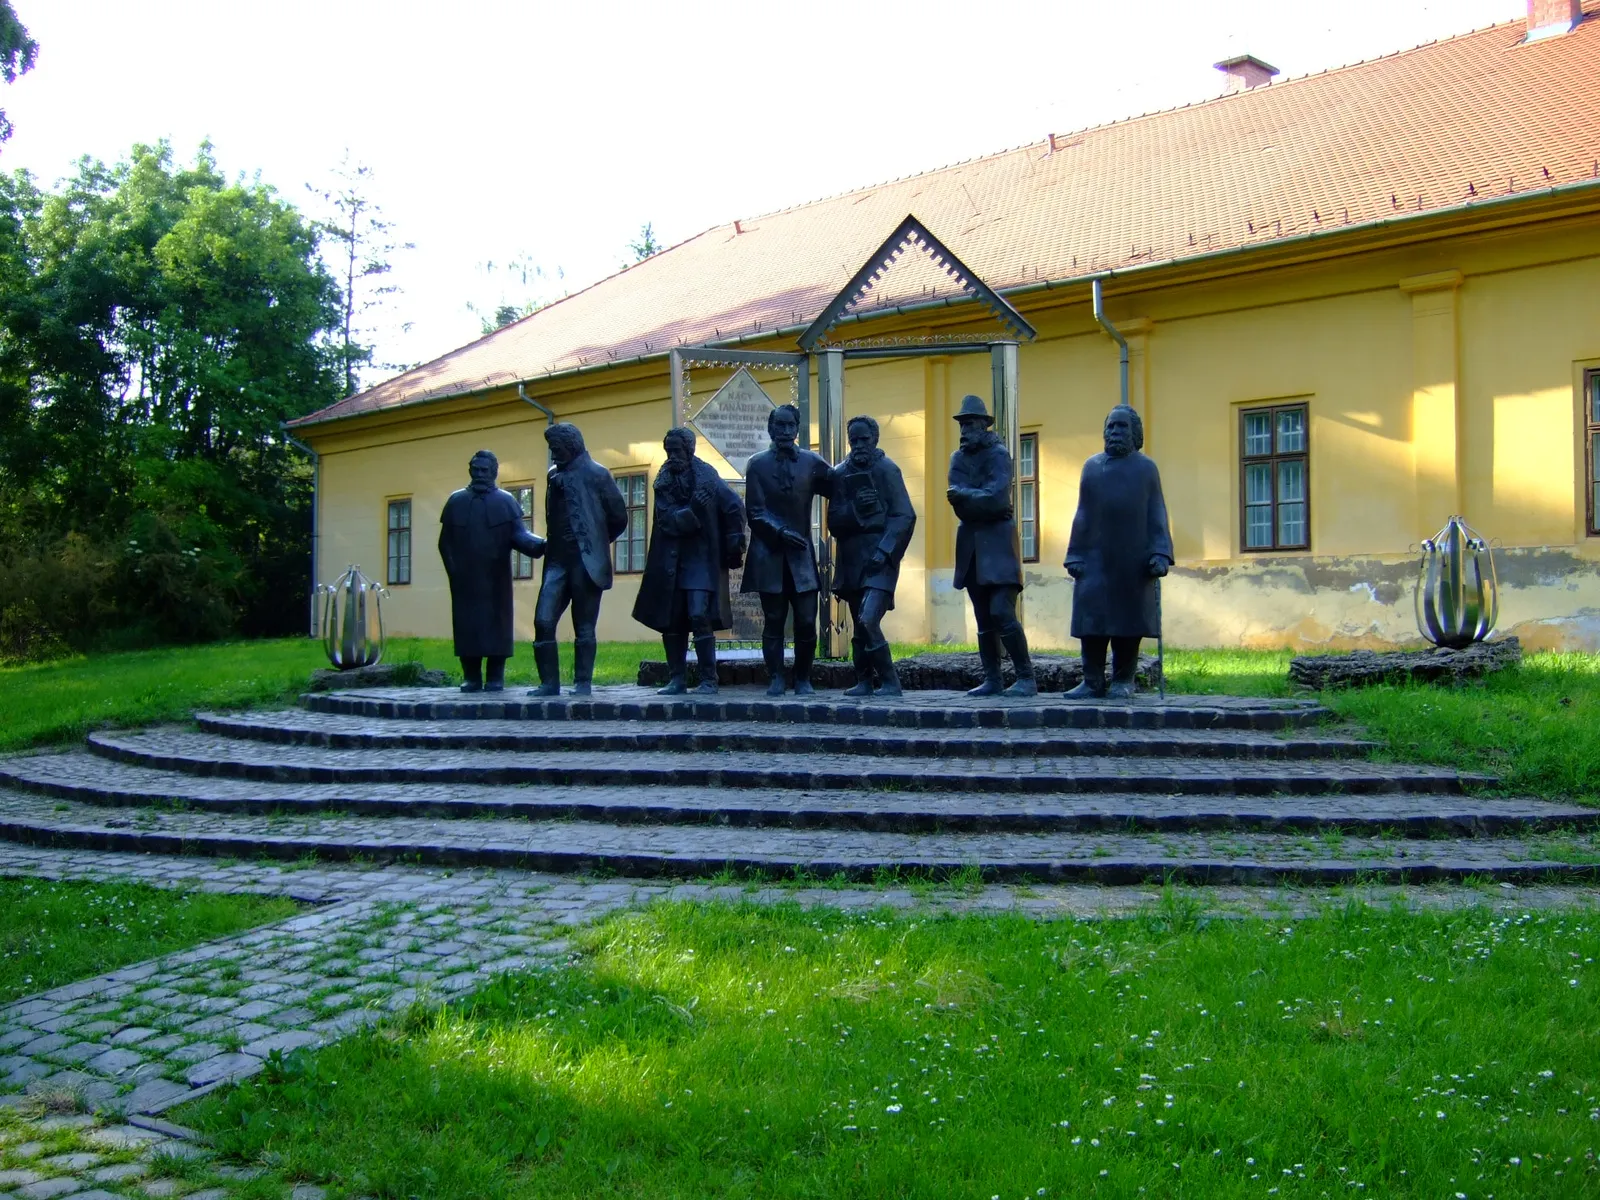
{"points": [[53, 933], [728, 1051], [1537, 727]]}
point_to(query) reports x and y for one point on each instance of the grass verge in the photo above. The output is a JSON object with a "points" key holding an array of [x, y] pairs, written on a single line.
{"points": [[738, 1051], [54, 932]]}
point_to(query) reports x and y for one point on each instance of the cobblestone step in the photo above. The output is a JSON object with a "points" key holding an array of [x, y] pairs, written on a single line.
{"points": [[915, 710], [204, 754], [345, 732], [678, 850], [91, 780]]}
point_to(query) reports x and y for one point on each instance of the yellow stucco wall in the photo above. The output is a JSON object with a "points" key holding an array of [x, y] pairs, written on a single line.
{"points": [[1443, 375]]}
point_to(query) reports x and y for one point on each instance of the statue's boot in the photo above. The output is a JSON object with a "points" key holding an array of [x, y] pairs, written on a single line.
{"points": [[1093, 686], [772, 654], [677, 648], [882, 660], [858, 659], [989, 655], [494, 677], [583, 651], [547, 658], [804, 652], [1016, 643], [472, 674], [705, 655], [1124, 668]]}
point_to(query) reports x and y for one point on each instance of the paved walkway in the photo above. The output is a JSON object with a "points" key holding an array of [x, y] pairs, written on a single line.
{"points": [[146, 1037]]}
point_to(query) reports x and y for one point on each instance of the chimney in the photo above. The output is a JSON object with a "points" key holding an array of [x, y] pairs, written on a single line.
{"points": [[1552, 18], [1247, 71]]}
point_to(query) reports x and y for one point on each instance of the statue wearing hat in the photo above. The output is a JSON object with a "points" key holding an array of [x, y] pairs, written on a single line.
{"points": [[780, 485], [479, 527], [1120, 548], [988, 557]]}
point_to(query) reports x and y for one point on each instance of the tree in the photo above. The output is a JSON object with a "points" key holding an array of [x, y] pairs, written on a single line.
{"points": [[17, 54], [521, 291], [364, 241], [645, 244], [157, 326]]}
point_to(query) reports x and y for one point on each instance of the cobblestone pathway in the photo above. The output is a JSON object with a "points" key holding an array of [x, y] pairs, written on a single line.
{"points": [[141, 1039]]}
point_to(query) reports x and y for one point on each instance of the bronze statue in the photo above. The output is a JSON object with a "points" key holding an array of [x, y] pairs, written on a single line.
{"points": [[479, 527], [696, 538], [584, 513], [780, 485], [988, 558], [871, 519], [1121, 547]]}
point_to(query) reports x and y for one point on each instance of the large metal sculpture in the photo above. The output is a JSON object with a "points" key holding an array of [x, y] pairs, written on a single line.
{"points": [[352, 620], [1458, 596]]}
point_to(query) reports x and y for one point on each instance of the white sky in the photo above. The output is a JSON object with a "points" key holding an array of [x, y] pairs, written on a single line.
{"points": [[553, 131]]}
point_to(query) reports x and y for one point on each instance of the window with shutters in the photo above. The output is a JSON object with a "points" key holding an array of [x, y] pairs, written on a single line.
{"points": [[1591, 442], [1028, 496], [628, 551], [399, 542], [1274, 483], [521, 564]]}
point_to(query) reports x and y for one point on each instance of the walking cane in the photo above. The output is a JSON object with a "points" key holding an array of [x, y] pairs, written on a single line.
{"points": [[1161, 644]]}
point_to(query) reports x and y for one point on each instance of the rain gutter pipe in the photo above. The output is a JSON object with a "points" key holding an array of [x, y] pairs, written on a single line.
{"points": [[316, 504], [522, 394], [1122, 342]]}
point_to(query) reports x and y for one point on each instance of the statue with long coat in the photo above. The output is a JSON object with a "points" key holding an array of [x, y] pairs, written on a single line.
{"points": [[780, 485], [988, 556], [584, 513], [696, 538], [1120, 548], [871, 519], [478, 528]]}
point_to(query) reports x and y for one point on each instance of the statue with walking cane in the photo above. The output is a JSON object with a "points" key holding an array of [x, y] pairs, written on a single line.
{"points": [[988, 557], [1121, 547], [696, 538], [871, 519]]}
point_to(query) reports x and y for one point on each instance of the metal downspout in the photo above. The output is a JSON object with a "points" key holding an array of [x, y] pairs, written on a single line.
{"points": [[1122, 342], [522, 394], [316, 505]]}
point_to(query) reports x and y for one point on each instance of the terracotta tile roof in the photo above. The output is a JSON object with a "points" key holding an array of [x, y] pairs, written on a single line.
{"points": [[1455, 122]]}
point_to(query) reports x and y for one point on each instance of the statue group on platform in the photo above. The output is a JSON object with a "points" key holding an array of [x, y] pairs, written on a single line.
{"points": [[1119, 550]]}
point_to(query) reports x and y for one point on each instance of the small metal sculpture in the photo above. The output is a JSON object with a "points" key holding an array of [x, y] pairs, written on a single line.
{"points": [[352, 620], [1458, 596]]}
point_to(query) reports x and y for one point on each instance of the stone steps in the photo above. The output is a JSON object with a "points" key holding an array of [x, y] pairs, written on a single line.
{"points": [[205, 754], [341, 731], [90, 779], [677, 850], [915, 710]]}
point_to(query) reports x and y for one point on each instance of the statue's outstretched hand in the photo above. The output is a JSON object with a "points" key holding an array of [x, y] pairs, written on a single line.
{"points": [[877, 562], [1158, 566], [795, 538], [1074, 569]]}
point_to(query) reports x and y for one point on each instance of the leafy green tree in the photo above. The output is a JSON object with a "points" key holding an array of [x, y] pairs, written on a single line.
{"points": [[645, 244], [18, 52], [158, 324], [523, 291]]}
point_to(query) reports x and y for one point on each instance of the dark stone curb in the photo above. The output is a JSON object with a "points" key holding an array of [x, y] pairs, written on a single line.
{"points": [[995, 714], [1105, 813], [1089, 742], [1169, 779], [1110, 871], [937, 671], [1362, 668]]}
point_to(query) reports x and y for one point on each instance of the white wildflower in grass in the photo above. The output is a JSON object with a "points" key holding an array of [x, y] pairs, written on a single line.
{"points": [[891, 1108]]}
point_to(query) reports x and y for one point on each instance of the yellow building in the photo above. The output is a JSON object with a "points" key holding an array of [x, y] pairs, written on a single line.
{"points": [[1356, 303]]}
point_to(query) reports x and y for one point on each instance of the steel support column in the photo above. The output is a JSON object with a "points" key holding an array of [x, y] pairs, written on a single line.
{"points": [[1007, 421], [675, 369], [830, 444]]}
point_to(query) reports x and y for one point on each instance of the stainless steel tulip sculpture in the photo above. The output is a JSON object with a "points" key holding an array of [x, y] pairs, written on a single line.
{"points": [[352, 620], [1458, 596]]}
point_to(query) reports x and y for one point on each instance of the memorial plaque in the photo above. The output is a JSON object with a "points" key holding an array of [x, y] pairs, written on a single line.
{"points": [[734, 421]]}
